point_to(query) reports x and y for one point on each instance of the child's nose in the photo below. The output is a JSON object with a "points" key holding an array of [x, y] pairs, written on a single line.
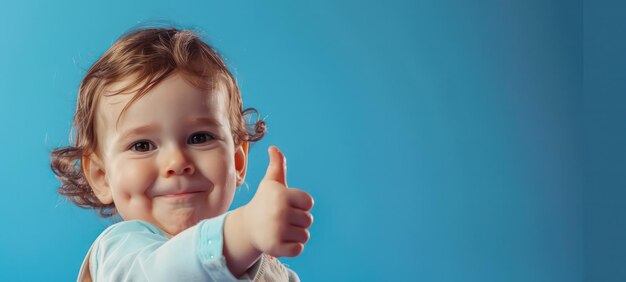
{"points": [[177, 163]]}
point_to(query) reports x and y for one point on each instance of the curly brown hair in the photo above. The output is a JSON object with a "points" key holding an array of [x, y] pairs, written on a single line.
{"points": [[148, 56]]}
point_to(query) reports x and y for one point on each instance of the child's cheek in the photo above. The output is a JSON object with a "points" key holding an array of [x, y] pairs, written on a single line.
{"points": [[218, 167], [133, 177]]}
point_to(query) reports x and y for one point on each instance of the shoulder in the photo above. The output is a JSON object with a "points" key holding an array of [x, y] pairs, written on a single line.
{"points": [[113, 236], [128, 235], [127, 230], [121, 239]]}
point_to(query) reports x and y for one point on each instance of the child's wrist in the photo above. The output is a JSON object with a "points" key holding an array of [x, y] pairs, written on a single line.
{"points": [[246, 233], [239, 251]]}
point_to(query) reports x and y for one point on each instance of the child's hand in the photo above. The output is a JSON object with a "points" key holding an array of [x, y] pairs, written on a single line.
{"points": [[277, 217]]}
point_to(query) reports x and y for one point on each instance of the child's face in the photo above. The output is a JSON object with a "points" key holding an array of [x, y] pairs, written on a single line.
{"points": [[171, 160]]}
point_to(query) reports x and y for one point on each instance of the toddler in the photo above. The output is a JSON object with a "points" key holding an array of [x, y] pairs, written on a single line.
{"points": [[162, 141]]}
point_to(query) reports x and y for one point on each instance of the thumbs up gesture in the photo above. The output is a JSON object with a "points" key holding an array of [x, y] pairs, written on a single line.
{"points": [[277, 217]]}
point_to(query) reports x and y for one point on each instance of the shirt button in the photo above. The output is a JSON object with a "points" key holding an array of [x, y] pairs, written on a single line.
{"points": [[210, 242]]}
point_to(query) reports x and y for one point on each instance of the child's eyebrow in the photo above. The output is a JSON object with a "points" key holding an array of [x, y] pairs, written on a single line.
{"points": [[139, 131], [206, 120]]}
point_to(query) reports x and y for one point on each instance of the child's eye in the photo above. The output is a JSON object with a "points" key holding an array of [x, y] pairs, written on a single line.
{"points": [[142, 146], [199, 138]]}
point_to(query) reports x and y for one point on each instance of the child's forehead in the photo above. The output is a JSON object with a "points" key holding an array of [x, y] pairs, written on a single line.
{"points": [[118, 92], [123, 96]]}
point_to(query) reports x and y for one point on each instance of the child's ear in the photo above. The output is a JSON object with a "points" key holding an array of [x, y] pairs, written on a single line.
{"points": [[241, 161], [93, 169]]}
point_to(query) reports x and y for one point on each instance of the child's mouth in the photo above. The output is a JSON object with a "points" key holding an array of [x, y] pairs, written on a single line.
{"points": [[183, 194]]}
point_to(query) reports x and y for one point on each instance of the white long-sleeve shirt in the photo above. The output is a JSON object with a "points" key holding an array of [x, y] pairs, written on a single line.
{"points": [[139, 251]]}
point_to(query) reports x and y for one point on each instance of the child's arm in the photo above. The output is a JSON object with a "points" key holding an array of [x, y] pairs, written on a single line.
{"points": [[139, 251], [274, 222]]}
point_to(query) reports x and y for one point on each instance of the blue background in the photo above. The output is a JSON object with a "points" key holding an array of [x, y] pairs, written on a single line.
{"points": [[442, 140], [605, 138]]}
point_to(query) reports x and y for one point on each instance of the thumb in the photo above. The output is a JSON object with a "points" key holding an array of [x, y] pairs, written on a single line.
{"points": [[277, 168]]}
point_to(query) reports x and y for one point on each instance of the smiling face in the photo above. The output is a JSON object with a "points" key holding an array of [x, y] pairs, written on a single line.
{"points": [[170, 159]]}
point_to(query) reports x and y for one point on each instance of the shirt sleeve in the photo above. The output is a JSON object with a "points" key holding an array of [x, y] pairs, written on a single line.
{"points": [[139, 251]]}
